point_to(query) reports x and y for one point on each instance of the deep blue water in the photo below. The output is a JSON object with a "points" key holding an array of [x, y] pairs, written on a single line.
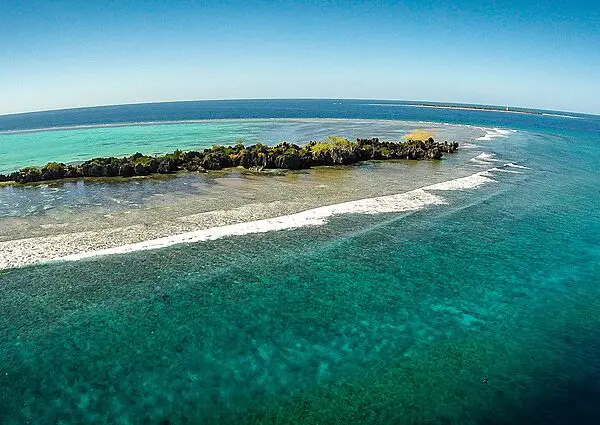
{"points": [[482, 310], [285, 108]]}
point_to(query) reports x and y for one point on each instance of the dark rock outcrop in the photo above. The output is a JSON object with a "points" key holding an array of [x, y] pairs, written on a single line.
{"points": [[167, 166], [288, 156], [126, 170], [28, 175], [53, 171]]}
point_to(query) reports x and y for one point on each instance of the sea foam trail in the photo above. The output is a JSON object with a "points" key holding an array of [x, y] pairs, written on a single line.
{"points": [[404, 202], [503, 170], [563, 116], [470, 182], [484, 158], [495, 133], [73, 247], [513, 165]]}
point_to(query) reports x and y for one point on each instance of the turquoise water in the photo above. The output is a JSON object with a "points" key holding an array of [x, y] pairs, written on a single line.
{"points": [[26, 148], [483, 310]]}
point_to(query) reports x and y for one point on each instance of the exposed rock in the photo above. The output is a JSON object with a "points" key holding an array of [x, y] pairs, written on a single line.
{"points": [[93, 168], [73, 172], [192, 166], [190, 156], [166, 167], [434, 153], [126, 170], [28, 175], [333, 151], [141, 169], [212, 161], [111, 169], [289, 161], [53, 171]]}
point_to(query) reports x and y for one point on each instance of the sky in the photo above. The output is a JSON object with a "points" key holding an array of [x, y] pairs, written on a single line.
{"points": [[62, 53]]}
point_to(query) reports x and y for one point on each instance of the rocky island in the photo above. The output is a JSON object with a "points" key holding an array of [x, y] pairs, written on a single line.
{"points": [[286, 156]]}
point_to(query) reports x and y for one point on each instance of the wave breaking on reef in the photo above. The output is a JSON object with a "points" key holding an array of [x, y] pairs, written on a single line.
{"points": [[82, 245], [495, 133]]}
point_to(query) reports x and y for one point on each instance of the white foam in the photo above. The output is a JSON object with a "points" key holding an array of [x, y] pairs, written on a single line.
{"points": [[404, 202], [69, 247], [495, 133], [513, 165], [563, 116], [502, 170], [470, 182], [484, 158]]}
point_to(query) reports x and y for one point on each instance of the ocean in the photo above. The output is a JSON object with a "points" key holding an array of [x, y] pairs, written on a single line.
{"points": [[464, 291]]}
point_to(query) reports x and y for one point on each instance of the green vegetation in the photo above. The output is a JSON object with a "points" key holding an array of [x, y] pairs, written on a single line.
{"points": [[333, 143]]}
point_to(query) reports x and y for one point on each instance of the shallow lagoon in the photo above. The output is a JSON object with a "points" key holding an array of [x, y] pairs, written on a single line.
{"points": [[24, 148]]}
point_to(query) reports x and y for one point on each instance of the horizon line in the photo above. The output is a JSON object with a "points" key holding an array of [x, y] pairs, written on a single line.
{"points": [[154, 102]]}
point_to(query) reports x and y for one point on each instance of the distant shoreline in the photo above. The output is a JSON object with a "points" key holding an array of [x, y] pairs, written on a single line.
{"points": [[474, 108]]}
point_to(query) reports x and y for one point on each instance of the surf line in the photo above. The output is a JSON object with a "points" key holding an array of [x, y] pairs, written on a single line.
{"points": [[413, 200]]}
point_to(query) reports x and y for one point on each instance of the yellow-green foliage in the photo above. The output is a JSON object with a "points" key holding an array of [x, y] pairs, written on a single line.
{"points": [[144, 160], [339, 142], [419, 135], [332, 143], [175, 155], [54, 166]]}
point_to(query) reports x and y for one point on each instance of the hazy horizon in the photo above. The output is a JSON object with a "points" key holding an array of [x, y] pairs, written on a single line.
{"points": [[65, 54]]}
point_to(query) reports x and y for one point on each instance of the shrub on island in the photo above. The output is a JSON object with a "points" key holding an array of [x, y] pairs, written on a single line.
{"points": [[287, 156]]}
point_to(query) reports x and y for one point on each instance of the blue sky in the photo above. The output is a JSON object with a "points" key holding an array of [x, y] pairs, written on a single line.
{"points": [[61, 53]]}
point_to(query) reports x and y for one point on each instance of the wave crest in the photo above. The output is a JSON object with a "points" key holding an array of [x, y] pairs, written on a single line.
{"points": [[73, 247]]}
